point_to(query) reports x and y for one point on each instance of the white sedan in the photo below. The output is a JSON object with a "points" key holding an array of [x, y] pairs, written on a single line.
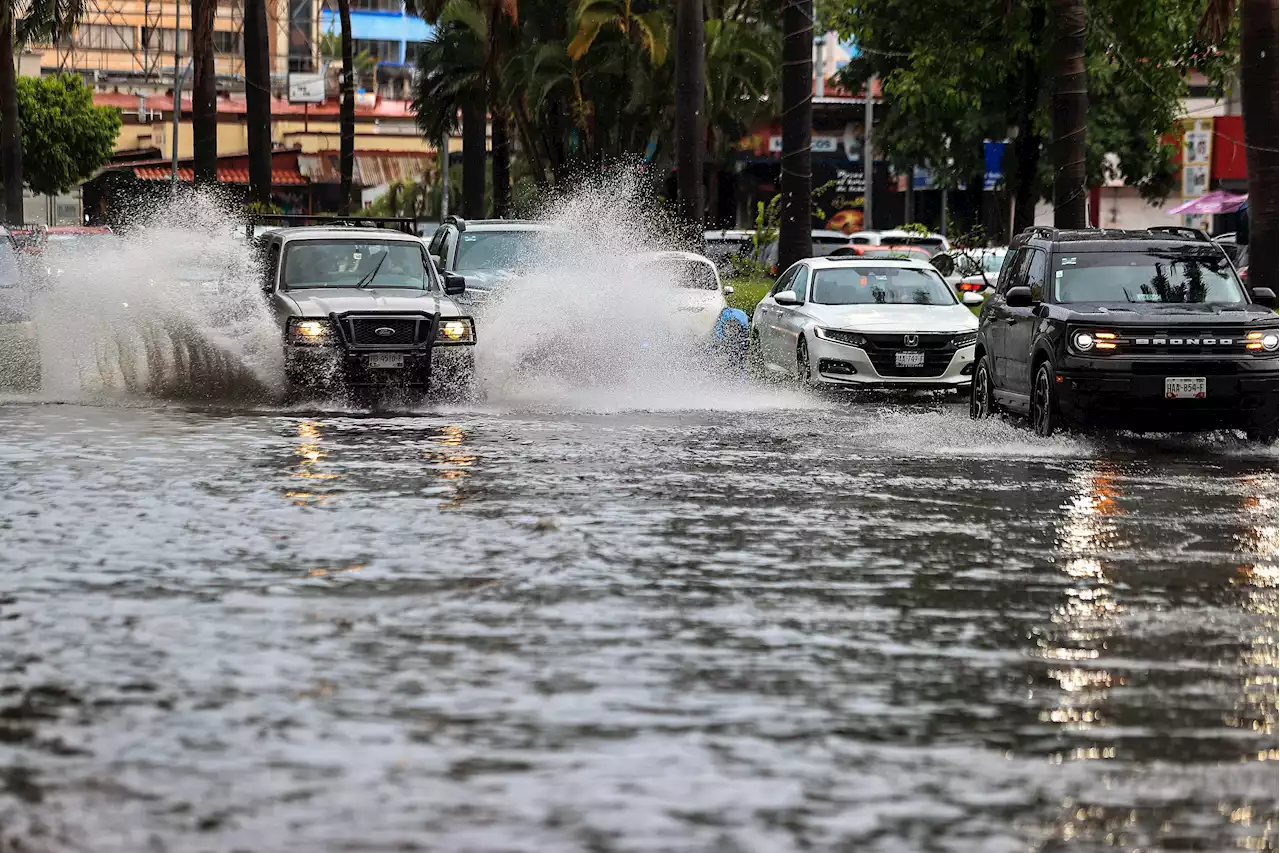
{"points": [[849, 321], [702, 294]]}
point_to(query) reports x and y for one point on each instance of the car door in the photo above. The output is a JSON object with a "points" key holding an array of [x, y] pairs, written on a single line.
{"points": [[1021, 322], [791, 322], [997, 319], [769, 315]]}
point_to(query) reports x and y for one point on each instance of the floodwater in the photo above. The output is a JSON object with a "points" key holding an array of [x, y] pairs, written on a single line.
{"points": [[795, 625]]}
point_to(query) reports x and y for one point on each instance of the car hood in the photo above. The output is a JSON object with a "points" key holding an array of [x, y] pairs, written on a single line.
{"points": [[323, 301], [895, 318], [1159, 314]]}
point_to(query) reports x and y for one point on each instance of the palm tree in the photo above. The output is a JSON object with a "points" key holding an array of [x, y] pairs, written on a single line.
{"points": [[257, 83], [347, 110], [1259, 99], [204, 93], [43, 21], [795, 239], [742, 78], [1070, 111], [690, 101]]}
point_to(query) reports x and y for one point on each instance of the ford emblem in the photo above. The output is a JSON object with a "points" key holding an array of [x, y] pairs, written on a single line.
{"points": [[384, 331]]}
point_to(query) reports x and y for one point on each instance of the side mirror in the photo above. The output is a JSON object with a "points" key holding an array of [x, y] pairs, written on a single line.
{"points": [[1266, 297], [728, 290], [1019, 297], [971, 298], [454, 284], [944, 264], [786, 297]]}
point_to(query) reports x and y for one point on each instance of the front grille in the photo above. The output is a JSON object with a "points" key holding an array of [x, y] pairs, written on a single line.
{"points": [[1179, 342], [899, 342], [935, 362], [363, 331]]}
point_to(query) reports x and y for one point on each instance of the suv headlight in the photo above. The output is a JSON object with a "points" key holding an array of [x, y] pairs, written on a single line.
{"points": [[1269, 341], [455, 330], [966, 339], [310, 332], [1088, 340]]}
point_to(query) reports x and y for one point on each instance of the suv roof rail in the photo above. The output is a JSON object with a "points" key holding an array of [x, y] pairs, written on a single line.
{"points": [[1181, 231], [406, 224], [457, 222], [1046, 231]]}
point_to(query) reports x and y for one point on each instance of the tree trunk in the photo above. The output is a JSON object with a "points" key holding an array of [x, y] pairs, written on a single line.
{"points": [[501, 167], [204, 94], [1070, 108], [347, 111], [473, 157], [1259, 95], [257, 96], [10, 126], [795, 238], [690, 138], [1026, 149]]}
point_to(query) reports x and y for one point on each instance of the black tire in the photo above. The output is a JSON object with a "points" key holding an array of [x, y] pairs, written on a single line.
{"points": [[755, 358], [1263, 426], [804, 371], [1045, 418], [982, 402]]}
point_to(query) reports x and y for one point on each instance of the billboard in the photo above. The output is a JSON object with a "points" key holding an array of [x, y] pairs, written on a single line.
{"points": [[306, 88]]}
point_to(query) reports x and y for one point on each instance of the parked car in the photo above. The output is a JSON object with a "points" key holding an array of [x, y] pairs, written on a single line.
{"points": [[491, 253], [1144, 330], [858, 322], [702, 292], [897, 237], [364, 308], [971, 270], [822, 242], [723, 246]]}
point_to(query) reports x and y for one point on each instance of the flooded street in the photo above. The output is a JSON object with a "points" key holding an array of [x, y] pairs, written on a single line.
{"points": [[800, 626]]}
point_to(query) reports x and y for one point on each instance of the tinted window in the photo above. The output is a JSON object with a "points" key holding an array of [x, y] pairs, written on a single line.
{"points": [[784, 283], [1036, 271], [881, 286], [1182, 275], [1006, 270], [801, 284], [436, 247], [342, 263], [499, 250]]}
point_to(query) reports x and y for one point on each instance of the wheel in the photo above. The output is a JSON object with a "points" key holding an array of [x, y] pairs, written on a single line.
{"points": [[1263, 426], [981, 402], [803, 371], [1044, 402], [755, 358]]}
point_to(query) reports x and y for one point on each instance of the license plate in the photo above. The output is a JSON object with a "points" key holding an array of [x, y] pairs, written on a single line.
{"points": [[1184, 387], [909, 359], [386, 361]]}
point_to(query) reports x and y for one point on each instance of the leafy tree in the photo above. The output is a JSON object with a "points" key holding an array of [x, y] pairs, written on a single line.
{"points": [[951, 86], [73, 137], [20, 24], [742, 69]]}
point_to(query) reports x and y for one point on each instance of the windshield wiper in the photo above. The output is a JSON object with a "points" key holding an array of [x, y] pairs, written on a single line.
{"points": [[362, 283]]}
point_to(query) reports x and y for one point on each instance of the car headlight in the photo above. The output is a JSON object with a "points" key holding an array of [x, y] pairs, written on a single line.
{"points": [[1085, 341], [852, 339], [1268, 341], [1082, 341], [310, 332], [967, 339], [456, 330]]}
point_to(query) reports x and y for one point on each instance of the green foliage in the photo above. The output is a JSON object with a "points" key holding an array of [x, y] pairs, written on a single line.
{"points": [[65, 137], [968, 70], [747, 292], [257, 207]]}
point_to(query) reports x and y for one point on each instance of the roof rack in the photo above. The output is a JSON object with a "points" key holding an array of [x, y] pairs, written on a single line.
{"points": [[406, 224], [457, 222], [1049, 233], [1181, 231]]}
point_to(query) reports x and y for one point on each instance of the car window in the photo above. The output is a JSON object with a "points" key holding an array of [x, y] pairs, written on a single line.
{"points": [[784, 281], [862, 241], [1180, 275], [273, 264], [825, 242], [1014, 270], [345, 263], [1037, 268], [865, 285], [1006, 272], [500, 250], [436, 247], [801, 284]]}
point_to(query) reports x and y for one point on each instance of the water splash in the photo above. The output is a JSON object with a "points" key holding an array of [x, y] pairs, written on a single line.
{"points": [[589, 328], [170, 310]]}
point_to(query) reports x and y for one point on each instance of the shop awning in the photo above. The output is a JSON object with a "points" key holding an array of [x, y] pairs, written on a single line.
{"points": [[226, 175]]}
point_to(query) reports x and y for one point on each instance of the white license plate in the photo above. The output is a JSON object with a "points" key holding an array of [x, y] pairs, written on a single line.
{"points": [[909, 359], [386, 361], [1184, 387]]}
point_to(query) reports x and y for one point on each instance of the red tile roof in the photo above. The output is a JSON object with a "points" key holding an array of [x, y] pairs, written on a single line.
{"points": [[226, 175], [235, 105]]}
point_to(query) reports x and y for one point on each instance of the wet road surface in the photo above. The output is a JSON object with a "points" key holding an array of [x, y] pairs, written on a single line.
{"points": [[840, 628]]}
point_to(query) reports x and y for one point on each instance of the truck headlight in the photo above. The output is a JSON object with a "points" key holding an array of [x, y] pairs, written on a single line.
{"points": [[310, 332], [456, 330], [1262, 341]]}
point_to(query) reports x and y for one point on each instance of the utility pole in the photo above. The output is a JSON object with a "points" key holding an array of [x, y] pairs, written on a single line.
{"points": [[868, 158]]}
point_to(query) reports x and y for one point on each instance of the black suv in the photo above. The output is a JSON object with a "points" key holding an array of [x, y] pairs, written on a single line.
{"points": [[1144, 330]]}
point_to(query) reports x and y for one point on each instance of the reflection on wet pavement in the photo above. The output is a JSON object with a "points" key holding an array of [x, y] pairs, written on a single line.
{"points": [[841, 628]]}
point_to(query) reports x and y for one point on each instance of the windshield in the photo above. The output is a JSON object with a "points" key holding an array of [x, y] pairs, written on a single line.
{"points": [[693, 275], [881, 286], [499, 250], [1181, 275], [720, 249], [342, 263], [79, 241]]}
